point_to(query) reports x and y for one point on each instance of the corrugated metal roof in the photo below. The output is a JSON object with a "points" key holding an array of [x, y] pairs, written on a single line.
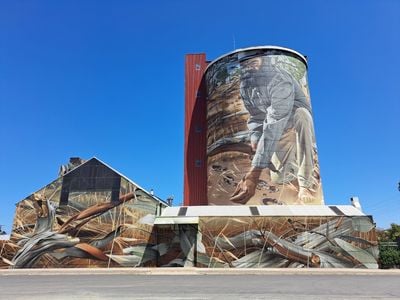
{"points": [[349, 209]]}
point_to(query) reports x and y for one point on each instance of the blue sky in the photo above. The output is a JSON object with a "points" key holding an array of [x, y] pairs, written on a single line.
{"points": [[105, 79]]}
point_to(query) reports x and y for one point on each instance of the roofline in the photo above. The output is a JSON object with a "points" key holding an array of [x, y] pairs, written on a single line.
{"points": [[108, 166], [126, 177], [267, 47]]}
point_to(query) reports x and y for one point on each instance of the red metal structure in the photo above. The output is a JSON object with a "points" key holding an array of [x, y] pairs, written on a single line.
{"points": [[195, 172]]}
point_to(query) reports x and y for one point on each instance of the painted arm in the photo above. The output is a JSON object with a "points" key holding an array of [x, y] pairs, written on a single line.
{"points": [[277, 117]]}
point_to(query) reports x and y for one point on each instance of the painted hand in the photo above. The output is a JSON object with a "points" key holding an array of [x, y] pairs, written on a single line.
{"points": [[246, 188]]}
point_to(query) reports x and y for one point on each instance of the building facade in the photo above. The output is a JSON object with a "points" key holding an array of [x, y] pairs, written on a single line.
{"points": [[252, 187], [90, 216]]}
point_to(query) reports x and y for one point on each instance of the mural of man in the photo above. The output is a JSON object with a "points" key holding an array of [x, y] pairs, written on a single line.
{"points": [[280, 127]]}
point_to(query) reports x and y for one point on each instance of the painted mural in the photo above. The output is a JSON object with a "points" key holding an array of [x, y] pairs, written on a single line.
{"points": [[260, 139], [176, 245], [268, 242], [122, 234], [283, 242], [89, 230]]}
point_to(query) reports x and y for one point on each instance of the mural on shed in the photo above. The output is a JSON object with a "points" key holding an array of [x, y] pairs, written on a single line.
{"points": [[270, 242], [91, 216]]}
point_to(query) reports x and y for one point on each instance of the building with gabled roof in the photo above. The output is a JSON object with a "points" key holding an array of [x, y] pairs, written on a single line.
{"points": [[240, 212], [89, 216]]}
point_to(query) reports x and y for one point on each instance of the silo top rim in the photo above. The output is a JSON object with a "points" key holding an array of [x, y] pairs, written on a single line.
{"points": [[301, 56]]}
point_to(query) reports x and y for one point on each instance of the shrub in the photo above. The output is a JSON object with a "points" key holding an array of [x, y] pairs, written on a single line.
{"points": [[389, 257]]}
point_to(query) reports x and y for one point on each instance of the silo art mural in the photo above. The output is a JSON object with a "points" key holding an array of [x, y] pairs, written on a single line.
{"points": [[261, 145]]}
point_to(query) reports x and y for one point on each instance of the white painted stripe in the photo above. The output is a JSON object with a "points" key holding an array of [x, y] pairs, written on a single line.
{"points": [[265, 210]]}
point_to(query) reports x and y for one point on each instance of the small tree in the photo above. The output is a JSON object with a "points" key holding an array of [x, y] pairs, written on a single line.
{"points": [[389, 255], [389, 258], [393, 232]]}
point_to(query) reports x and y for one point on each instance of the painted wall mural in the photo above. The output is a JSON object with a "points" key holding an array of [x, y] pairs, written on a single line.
{"points": [[288, 242], [121, 234], [261, 145], [176, 245], [268, 242], [89, 230]]}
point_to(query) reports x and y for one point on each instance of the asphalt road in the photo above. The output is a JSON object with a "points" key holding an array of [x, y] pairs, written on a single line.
{"points": [[239, 286]]}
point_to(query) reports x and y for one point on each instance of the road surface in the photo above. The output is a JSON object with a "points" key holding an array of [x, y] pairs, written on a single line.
{"points": [[59, 284]]}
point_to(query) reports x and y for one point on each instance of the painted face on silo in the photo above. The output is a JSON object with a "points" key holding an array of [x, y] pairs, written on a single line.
{"points": [[260, 137], [251, 64]]}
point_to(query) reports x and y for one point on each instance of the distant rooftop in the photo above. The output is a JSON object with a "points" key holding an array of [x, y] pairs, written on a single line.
{"points": [[4, 237]]}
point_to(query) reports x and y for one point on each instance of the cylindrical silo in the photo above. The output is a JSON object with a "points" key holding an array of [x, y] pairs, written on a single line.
{"points": [[261, 145]]}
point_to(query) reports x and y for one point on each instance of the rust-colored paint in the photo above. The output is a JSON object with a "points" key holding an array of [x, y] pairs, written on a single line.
{"points": [[195, 172]]}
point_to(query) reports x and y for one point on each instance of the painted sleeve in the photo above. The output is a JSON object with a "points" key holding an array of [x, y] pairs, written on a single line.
{"points": [[281, 93]]}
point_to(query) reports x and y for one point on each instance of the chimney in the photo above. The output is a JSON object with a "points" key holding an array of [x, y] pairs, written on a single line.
{"points": [[73, 163]]}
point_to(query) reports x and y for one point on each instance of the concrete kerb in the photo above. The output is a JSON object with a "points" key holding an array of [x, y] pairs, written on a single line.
{"points": [[192, 271]]}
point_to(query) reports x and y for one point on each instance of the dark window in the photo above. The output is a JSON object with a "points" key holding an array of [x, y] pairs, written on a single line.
{"points": [[197, 163]]}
